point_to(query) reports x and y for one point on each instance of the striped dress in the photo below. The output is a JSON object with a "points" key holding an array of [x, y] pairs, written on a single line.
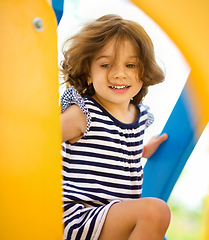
{"points": [[101, 168]]}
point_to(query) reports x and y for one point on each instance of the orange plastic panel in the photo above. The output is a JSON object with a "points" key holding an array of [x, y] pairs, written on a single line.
{"points": [[30, 162]]}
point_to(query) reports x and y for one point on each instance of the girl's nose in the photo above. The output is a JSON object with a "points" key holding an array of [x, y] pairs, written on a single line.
{"points": [[119, 72]]}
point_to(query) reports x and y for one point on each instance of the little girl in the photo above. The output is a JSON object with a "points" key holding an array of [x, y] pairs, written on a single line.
{"points": [[109, 65]]}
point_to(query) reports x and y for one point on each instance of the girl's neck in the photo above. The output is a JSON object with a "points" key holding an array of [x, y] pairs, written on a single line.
{"points": [[125, 113]]}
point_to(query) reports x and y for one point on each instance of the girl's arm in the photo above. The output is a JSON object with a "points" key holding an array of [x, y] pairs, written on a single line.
{"points": [[153, 144], [73, 124]]}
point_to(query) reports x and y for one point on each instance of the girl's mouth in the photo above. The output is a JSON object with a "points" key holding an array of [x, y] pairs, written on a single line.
{"points": [[119, 87]]}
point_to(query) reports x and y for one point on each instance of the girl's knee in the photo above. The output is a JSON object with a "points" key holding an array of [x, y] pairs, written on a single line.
{"points": [[159, 212], [153, 218], [154, 211]]}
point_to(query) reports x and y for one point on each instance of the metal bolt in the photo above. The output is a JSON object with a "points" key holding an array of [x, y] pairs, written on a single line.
{"points": [[38, 24]]}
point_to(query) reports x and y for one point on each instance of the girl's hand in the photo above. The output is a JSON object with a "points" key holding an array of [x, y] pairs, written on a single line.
{"points": [[153, 144]]}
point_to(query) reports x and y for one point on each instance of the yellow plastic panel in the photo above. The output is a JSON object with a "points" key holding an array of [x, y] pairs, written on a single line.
{"points": [[30, 168], [186, 22]]}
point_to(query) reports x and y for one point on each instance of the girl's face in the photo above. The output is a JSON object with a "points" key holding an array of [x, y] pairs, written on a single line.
{"points": [[115, 80]]}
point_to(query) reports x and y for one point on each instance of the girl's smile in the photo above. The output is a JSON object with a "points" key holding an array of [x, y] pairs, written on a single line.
{"points": [[119, 88]]}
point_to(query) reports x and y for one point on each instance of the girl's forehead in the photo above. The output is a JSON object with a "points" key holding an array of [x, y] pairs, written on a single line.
{"points": [[114, 47]]}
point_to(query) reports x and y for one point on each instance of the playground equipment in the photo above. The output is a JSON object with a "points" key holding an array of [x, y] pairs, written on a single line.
{"points": [[30, 169], [30, 165]]}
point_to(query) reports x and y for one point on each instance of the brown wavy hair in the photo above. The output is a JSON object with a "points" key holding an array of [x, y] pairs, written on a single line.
{"points": [[95, 35]]}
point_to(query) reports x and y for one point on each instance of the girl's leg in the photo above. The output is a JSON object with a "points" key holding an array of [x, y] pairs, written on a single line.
{"points": [[142, 219]]}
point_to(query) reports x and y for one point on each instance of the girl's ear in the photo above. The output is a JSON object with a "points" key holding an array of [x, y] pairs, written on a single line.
{"points": [[87, 70], [89, 80]]}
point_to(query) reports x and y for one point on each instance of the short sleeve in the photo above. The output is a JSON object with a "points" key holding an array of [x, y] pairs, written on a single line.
{"points": [[150, 117], [71, 96], [147, 117]]}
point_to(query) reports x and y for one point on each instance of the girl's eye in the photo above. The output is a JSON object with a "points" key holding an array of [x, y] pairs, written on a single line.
{"points": [[106, 65], [130, 65]]}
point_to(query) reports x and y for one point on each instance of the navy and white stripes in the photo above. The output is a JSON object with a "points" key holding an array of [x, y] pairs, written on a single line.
{"points": [[102, 168]]}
